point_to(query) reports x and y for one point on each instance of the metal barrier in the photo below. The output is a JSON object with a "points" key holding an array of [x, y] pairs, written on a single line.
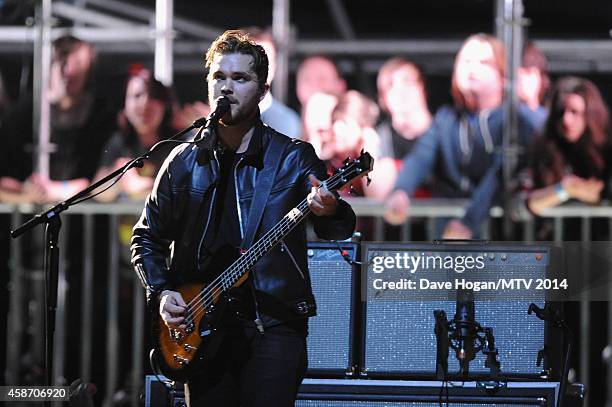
{"points": [[26, 302]]}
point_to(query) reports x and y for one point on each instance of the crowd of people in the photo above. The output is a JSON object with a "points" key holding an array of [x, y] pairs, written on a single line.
{"points": [[454, 152]]}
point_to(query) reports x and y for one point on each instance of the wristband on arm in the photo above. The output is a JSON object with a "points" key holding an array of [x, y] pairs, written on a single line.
{"points": [[561, 193]]}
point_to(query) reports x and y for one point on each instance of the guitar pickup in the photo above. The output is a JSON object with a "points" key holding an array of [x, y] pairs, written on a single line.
{"points": [[189, 348], [176, 335], [181, 361]]}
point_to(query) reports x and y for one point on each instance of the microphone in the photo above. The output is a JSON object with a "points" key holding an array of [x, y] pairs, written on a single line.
{"points": [[222, 106], [465, 333]]}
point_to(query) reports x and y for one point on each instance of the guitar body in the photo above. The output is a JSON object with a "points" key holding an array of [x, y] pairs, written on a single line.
{"points": [[181, 351]]}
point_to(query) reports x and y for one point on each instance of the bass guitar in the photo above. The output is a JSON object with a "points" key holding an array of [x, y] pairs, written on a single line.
{"points": [[180, 351]]}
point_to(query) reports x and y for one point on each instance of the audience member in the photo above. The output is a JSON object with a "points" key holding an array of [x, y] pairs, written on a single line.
{"points": [[401, 96], [318, 73], [317, 121], [353, 121], [273, 113], [80, 124], [146, 119], [462, 147], [533, 82], [569, 161]]}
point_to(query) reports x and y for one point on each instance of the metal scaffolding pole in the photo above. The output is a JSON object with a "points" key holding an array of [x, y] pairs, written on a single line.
{"points": [[513, 41], [163, 41], [281, 35], [42, 70]]}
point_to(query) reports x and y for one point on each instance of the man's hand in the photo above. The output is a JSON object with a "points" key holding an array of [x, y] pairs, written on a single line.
{"points": [[397, 207], [320, 200], [455, 229], [172, 309]]}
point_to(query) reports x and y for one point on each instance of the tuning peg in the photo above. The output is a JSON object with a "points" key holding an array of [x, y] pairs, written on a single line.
{"points": [[352, 190]]}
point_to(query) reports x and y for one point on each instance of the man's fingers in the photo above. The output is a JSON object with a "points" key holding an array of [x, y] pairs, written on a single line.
{"points": [[314, 181], [180, 301], [326, 196], [169, 319], [316, 204], [175, 309], [173, 322], [173, 297]]}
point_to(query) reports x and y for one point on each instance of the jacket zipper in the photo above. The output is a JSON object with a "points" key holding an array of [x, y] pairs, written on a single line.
{"points": [[258, 321], [238, 197], [299, 269]]}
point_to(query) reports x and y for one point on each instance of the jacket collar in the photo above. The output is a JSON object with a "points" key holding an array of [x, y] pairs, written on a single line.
{"points": [[252, 156]]}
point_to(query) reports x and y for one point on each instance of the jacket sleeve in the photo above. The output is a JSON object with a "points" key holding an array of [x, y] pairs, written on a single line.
{"points": [[340, 225], [419, 163], [482, 198], [152, 236]]}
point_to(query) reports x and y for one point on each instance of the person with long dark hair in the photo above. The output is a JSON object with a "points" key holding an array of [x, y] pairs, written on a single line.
{"points": [[145, 120], [569, 161]]}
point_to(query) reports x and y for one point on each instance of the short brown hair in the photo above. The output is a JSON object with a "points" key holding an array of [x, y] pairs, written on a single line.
{"points": [[534, 57], [66, 45], [238, 42], [384, 79], [357, 106]]}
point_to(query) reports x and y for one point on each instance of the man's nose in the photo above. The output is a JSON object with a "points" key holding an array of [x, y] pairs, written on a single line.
{"points": [[228, 87]]}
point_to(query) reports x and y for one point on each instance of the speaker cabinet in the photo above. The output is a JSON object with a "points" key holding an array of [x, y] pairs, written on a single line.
{"points": [[398, 334], [391, 393], [163, 393], [330, 339]]}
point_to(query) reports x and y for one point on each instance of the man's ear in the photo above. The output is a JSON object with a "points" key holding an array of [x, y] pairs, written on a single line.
{"points": [[266, 89]]}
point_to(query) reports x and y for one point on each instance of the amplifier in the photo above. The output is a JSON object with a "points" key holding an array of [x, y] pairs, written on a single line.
{"points": [[399, 339], [391, 393], [334, 280], [161, 392]]}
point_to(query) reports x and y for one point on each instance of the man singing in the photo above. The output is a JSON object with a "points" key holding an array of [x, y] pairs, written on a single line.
{"points": [[200, 206]]}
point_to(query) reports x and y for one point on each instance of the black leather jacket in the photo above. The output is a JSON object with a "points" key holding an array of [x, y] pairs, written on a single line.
{"points": [[165, 244]]}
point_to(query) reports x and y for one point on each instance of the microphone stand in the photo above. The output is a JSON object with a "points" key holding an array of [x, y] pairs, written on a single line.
{"points": [[549, 314], [442, 343], [51, 218], [465, 331]]}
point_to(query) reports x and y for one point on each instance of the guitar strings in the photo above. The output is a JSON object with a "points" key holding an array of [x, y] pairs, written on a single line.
{"points": [[241, 261], [206, 297], [234, 271], [243, 258]]}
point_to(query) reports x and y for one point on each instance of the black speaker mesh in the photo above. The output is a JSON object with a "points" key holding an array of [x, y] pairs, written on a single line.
{"points": [[329, 337], [399, 331], [400, 336]]}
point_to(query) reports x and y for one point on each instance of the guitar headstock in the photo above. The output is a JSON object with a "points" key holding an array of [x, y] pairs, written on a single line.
{"points": [[352, 169]]}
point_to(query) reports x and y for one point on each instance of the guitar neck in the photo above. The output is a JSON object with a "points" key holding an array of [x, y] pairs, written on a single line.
{"points": [[248, 259], [240, 267]]}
